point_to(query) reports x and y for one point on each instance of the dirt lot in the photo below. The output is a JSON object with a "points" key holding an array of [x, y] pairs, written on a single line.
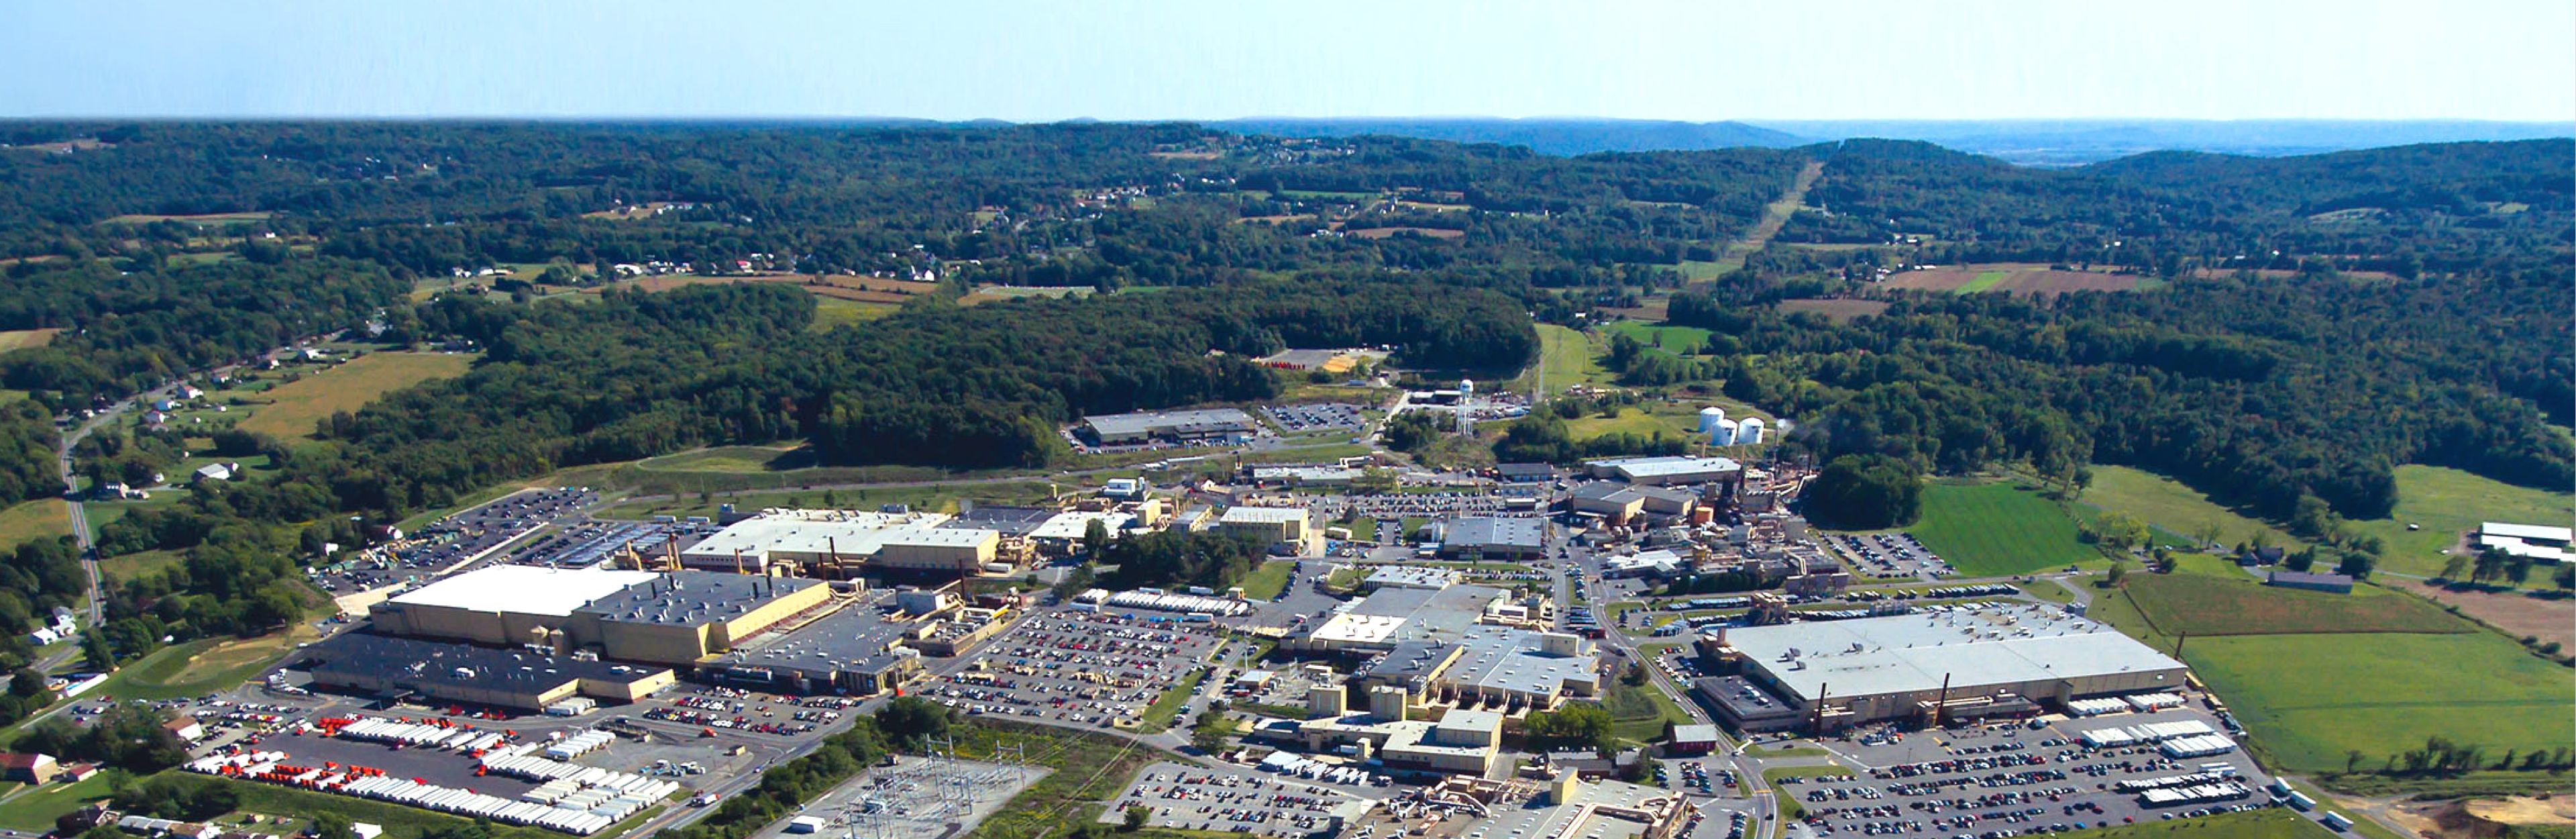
{"points": [[2552, 620], [2017, 278], [1839, 310]]}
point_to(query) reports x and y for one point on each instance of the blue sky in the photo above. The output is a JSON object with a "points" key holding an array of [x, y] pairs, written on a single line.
{"points": [[1215, 59]]}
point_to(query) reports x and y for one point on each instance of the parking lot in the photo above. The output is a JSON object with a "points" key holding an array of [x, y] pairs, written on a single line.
{"points": [[1329, 416], [1233, 801], [1889, 555], [593, 544], [454, 539], [1097, 669], [2005, 779]]}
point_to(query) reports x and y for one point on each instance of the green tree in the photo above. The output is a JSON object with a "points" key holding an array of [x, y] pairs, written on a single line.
{"points": [[333, 826], [1865, 492], [2119, 572], [2119, 531], [2454, 567], [909, 720], [1095, 537], [1136, 818]]}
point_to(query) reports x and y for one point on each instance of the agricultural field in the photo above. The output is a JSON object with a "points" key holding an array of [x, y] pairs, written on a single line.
{"points": [[2517, 612], [2223, 602], [990, 293], [2013, 277], [2168, 504], [296, 406], [2297, 694], [19, 339], [1995, 529], [1838, 310], [38, 519], [2445, 503]]}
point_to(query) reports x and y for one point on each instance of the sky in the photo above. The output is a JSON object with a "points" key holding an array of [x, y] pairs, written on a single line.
{"points": [[1701, 60]]}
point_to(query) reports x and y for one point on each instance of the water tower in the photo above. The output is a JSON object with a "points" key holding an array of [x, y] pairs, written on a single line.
{"points": [[1466, 406]]}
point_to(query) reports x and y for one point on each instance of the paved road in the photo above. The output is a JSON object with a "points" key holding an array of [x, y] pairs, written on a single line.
{"points": [[80, 517]]}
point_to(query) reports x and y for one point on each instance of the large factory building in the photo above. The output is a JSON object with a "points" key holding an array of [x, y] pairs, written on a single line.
{"points": [[836, 544], [1924, 668], [674, 618]]}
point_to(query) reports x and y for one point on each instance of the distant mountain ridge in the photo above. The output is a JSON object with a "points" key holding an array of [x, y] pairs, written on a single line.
{"points": [[1552, 136], [2028, 142]]}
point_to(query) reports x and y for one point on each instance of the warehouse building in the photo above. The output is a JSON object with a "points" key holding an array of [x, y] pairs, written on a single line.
{"points": [[1626, 504], [1498, 538], [1930, 667], [857, 651], [2539, 542], [1273, 526], [1211, 425], [1667, 471], [1459, 742], [839, 544], [428, 671], [674, 618]]}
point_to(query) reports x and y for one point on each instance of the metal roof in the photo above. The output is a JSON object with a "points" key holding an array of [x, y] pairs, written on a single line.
{"points": [[1148, 422], [522, 589], [1495, 531], [1911, 653]]}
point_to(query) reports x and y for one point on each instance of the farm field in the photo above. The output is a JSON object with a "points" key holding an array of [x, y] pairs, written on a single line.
{"points": [[990, 293], [842, 286], [1670, 338], [2224, 602], [19, 339], [2516, 612], [1995, 529], [2167, 503], [2014, 277], [2447, 503], [300, 404], [32, 520], [1838, 310], [2297, 694]]}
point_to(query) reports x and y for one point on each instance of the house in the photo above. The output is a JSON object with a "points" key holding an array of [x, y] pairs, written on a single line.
{"points": [[2265, 555], [79, 772], [165, 405], [191, 392], [65, 621], [29, 768], [43, 636], [186, 728]]}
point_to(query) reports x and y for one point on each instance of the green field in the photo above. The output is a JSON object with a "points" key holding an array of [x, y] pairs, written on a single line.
{"points": [[2268, 823], [1569, 358], [2166, 503], [36, 809], [1997, 529], [129, 566], [2048, 590], [2232, 603], [202, 666], [2449, 502], [1674, 338], [832, 312], [15, 339], [2308, 698], [1158, 716], [940, 498], [38, 519], [1640, 712], [1985, 280], [298, 405], [1268, 580]]}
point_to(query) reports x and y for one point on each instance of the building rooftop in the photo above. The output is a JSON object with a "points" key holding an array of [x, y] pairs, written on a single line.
{"points": [[1510, 661], [1483, 722], [1412, 576], [1903, 653], [815, 532], [1075, 525], [1009, 521], [1637, 467], [1495, 531], [857, 637], [1147, 422], [432, 663], [2528, 532], [1262, 515], [524, 589], [693, 597]]}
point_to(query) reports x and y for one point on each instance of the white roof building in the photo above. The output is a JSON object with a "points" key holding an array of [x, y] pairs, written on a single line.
{"points": [[524, 589]]}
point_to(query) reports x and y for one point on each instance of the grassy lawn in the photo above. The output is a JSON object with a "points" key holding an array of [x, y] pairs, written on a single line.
{"points": [[1985, 280], [832, 312], [1364, 529], [346, 387], [101, 514], [42, 518], [1997, 529], [202, 666], [1674, 338], [36, 809], [2449, 502], [1639, 712], [1158, 716], [930, 498], [130, 566], [1268, 580], [2269, 823], [2303, 696], [2199, 604], [1777, 774], [2166, 503], [2048, 590], [1568, 357], [1631, 421]]}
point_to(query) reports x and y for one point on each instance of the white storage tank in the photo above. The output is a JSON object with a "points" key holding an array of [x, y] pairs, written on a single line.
{"points": [[1723, 433], [1749, 432], [1709, 417]]}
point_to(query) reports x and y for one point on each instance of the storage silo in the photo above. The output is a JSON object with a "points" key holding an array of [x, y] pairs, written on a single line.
{"points": [[1749, 432], [1723, 434], [1709, 417]]}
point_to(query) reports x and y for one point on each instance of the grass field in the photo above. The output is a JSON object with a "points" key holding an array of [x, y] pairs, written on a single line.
{"points": [[1985, 280], [929, 498], [1087, 769], [1674, 338], [2210, 604], [2308, 698], [2017, 278], [1996, 529], [1158, 716], [302, 403], [1640, 712], [830, 312], [35, 809], [1268, 580], [1568, 357], [19, 339], [202, 666], [38, 519], [2270, 823], [2166, 503], [2449, 502], [130, 566]]}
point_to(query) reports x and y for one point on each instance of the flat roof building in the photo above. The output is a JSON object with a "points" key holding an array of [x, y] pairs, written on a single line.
{"points": [[1410, 576], [1270, 525], [857, 650], [2539, 542], [1667, 471], [674, 618], [1175, 426], [1494, 538], [366, 663], [836, 544], [1871, 669]]}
